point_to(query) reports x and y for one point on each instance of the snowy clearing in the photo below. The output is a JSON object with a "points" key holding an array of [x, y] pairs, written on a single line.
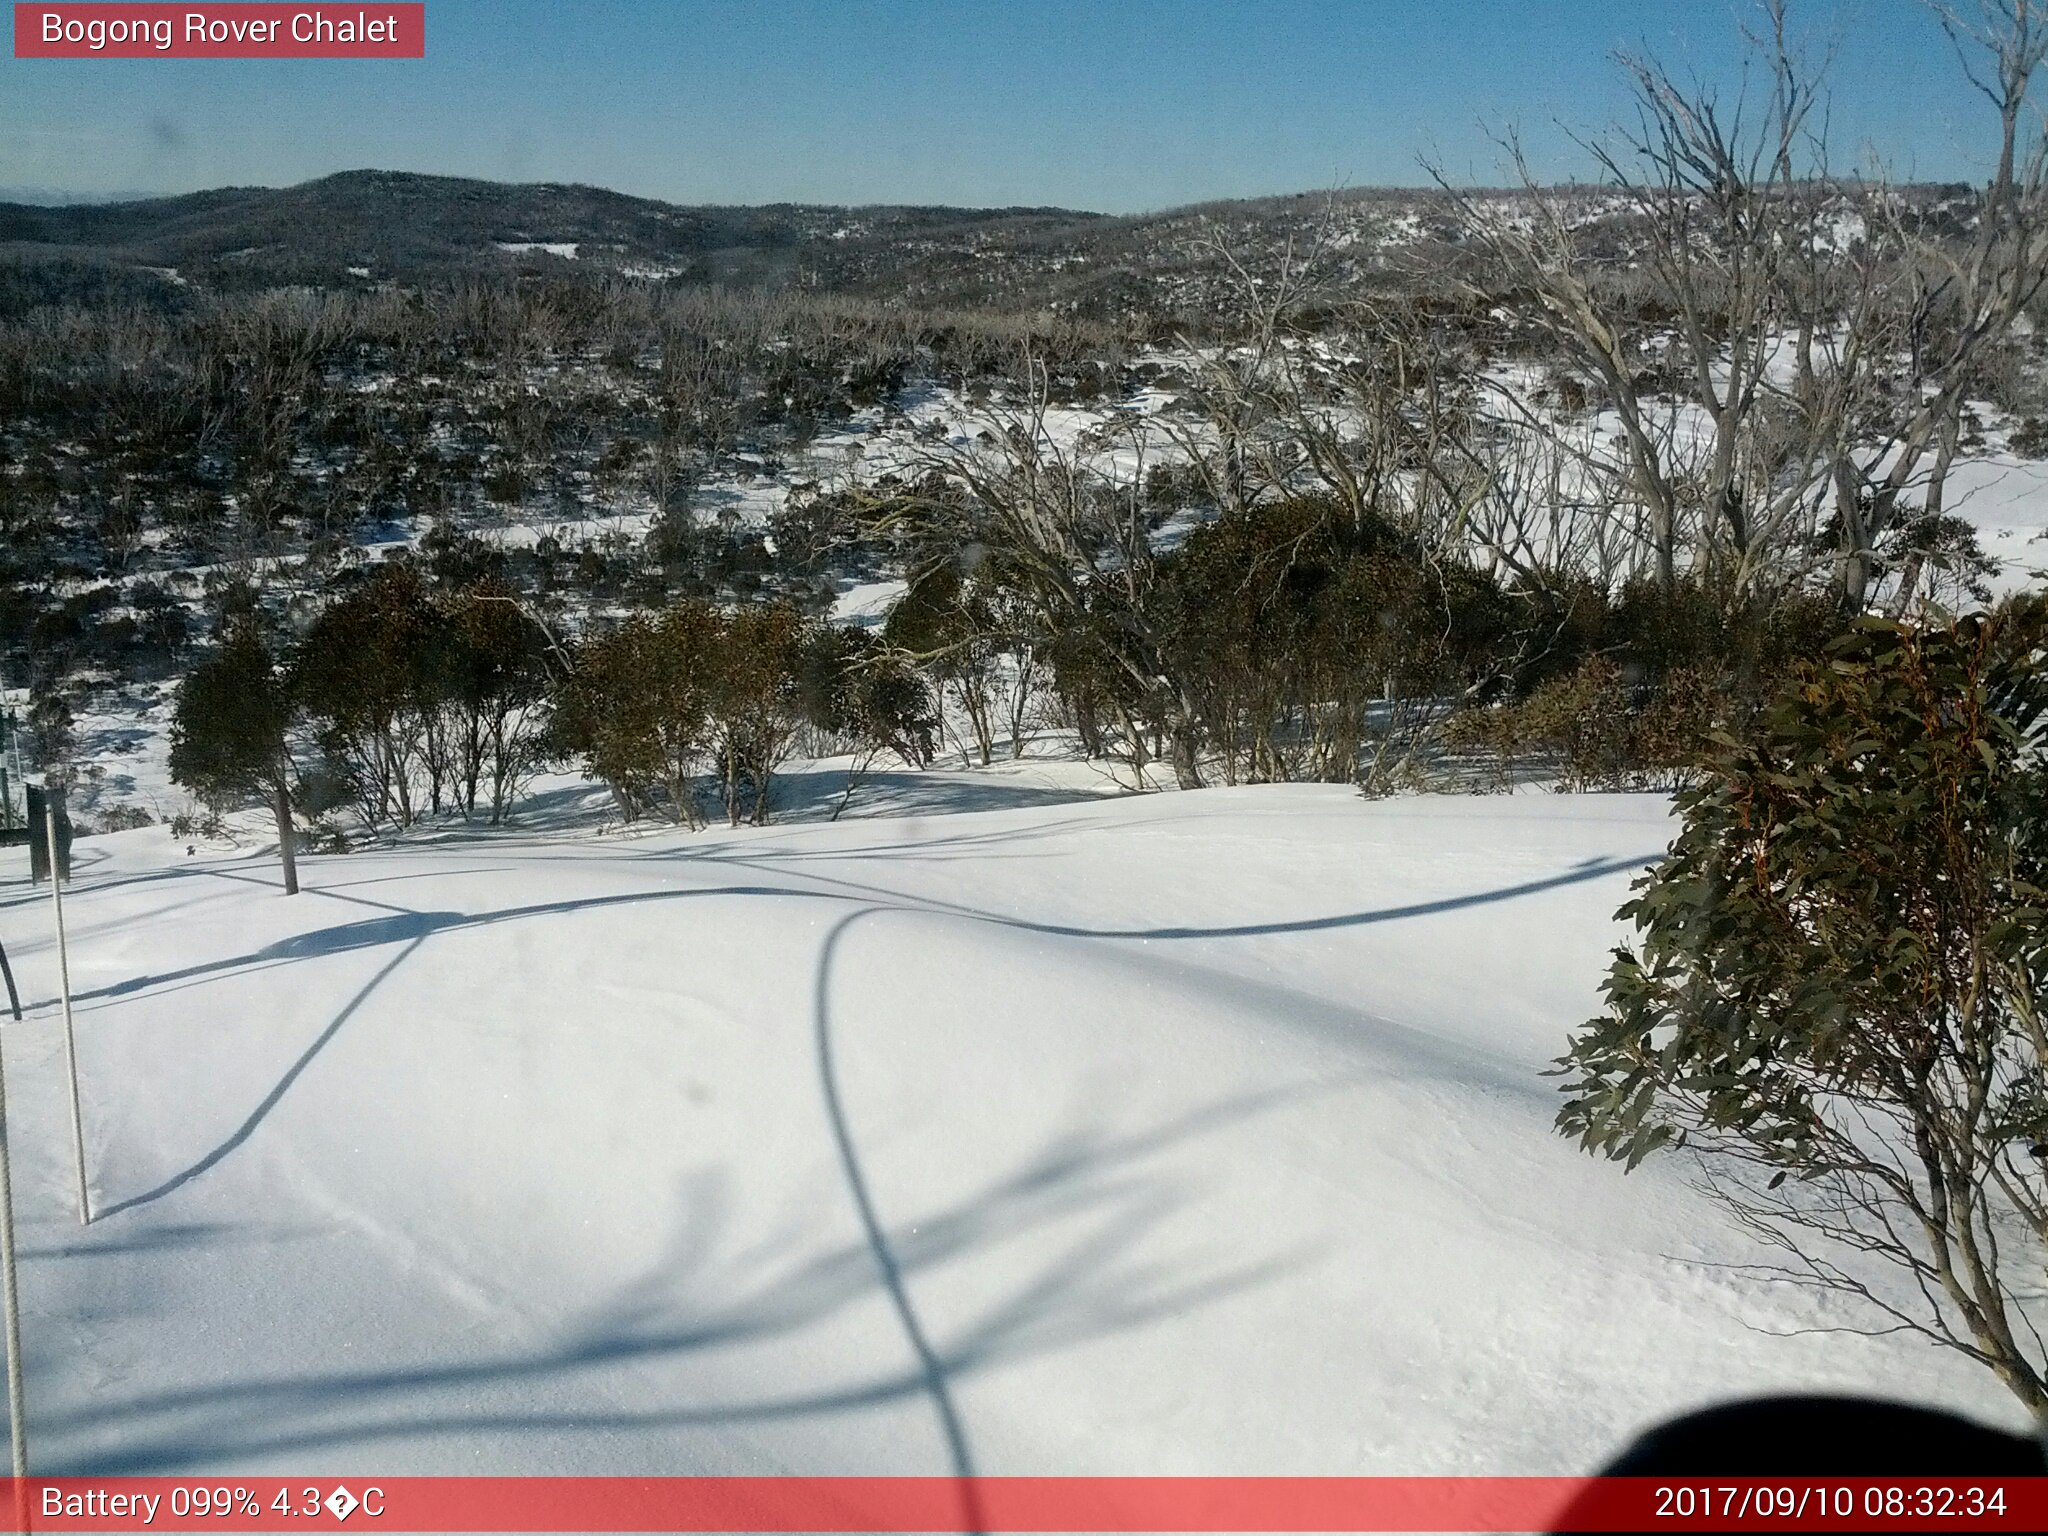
{"points": [[566, 249], [1195, 1133]]}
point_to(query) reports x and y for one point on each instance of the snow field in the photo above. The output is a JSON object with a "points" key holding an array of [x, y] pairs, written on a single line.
{"points": [[1165, 1134]]}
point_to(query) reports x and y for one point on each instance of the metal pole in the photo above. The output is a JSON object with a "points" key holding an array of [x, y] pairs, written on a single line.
{"points": [[64, 978], [17, 1412], [14, 751]]}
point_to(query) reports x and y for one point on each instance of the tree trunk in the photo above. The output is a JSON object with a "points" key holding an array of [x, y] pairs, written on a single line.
{"points": [[1187, 772], [1853, 545], [1855, 578], [1086, 726], [1909, 583], [281, 802]]}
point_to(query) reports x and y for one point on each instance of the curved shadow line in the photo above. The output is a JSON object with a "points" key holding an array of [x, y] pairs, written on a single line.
{"points": [[270, 1100], [311, 890], [871, 1222], [1591, 869], [425, 924], [404, 923], [371, 933]]}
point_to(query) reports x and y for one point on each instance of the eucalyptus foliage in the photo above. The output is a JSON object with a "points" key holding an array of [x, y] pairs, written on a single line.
{"points": [[1834, 992]]}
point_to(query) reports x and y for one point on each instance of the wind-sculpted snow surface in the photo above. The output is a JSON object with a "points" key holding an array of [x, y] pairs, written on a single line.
{"points": [[1182, 1133]]}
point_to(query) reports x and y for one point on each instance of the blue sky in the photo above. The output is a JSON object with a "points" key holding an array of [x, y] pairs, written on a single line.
{"points": [[1119, 105]]}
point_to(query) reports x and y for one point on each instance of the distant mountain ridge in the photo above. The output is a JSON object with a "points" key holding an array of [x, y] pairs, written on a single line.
{"points": [[372, 227], [397, 223]]}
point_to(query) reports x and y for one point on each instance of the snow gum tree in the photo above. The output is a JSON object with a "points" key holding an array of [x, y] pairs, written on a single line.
{"points": [[952, 621], [637, 707], [364, 674], [1067, 521], [1779, 384], [228, 734], [756, 703], [663, 695], [492, 671], [1834, 998], [861, 694]]}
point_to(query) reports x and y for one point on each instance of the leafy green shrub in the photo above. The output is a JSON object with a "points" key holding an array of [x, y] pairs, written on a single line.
{"points": [[123, 818], [1605, 731], [1835, 999], [637, 707], [228, 736], [2030, 438]]}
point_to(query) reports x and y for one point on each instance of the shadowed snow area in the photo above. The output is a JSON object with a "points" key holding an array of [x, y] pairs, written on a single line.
{"points": [[1169, 1134]]}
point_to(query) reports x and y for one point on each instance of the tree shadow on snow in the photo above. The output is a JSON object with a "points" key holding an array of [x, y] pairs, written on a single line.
{"points": [[411, 929], [404, 925], [1072, 1218], [1085, 1198], [270, 1100]]}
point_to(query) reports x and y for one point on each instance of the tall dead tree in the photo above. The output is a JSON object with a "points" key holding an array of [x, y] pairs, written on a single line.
{"points": [[1795, 358], [1065, 511], [1958, 302], [1711, 198]]}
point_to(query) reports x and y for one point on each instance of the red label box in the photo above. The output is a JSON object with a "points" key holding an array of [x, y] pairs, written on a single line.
{"points": [[106, 29], [994, 1505]]}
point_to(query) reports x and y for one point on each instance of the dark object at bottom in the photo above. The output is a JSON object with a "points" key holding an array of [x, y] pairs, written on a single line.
{"points": [[1830, 1437], [1823, 1437]]}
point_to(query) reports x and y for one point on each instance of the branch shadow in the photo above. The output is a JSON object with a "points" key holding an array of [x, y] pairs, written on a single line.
{"points": [[1076, 1209], [411, 929], [405, 925], [161, 1239], [270, 1100], [936, 1382]]}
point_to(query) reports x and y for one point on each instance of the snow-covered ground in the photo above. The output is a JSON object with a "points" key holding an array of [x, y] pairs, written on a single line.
{"points": [[867, 603], [563, 248], [1172, 1133], [2005, 498]]}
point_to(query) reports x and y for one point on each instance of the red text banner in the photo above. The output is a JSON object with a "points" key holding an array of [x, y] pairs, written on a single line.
{"points": [[110, 30], [1019, 1504]]}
